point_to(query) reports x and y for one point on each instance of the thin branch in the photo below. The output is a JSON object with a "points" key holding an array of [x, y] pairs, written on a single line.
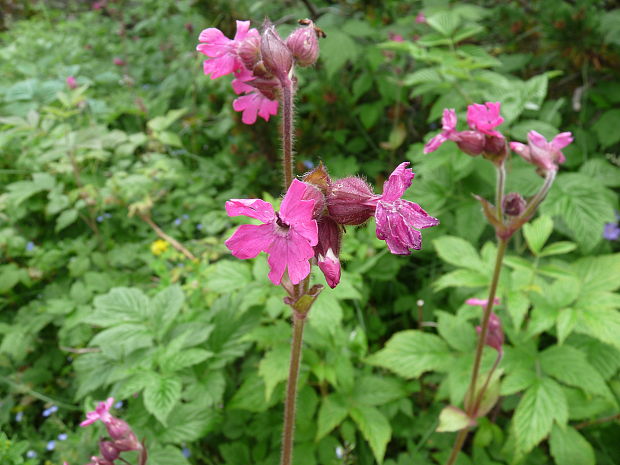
{"points": [[171, 240]]}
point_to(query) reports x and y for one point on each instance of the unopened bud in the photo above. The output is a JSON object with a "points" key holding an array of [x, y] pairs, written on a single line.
{"points": [[304, 45], [327, 250], [495, 149], [108, 450], [514, 204], [313, 193], [277, 58], [495, 333], [249, 51], [351, 201], [118, 429], [471, 142]]}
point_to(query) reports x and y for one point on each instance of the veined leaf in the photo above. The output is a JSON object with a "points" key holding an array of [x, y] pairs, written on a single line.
{"points": [[568, 447], [165, 307], [375, 390], [161, 395], [537, 232], [332, 412], [120, 305], [273, 368], [374, 427], [458, 252]]}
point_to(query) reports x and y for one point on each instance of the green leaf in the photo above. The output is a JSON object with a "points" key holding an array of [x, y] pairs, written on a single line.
{"points": [[569, 365], [183, 359], [374, 427], [603, 357], [462, 278], [458, 252], [120, 305], [229, 275], [602, 324], [169, 138], [166, 305], [274, 368], [188, 422], [445, 22], [537, 232], [606, 128], [565, 323], [332, 412], [376, 391], [453, 419], [411, 353], [558, 248], [542, 403], [456, 331], [519, 131], [121, 340], [23, 190], [165, 455], [161, 395], [65, 219], [251, 395], [336, 51], [568, 447], [579, 204]]}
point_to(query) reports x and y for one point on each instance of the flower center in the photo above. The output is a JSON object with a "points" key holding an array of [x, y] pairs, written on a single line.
{"points": [[281, 223]]}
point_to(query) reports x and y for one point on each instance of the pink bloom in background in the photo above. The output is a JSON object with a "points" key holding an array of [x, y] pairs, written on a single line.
{"points": [[495, 333], [287, 237], [481, 302], [545, 155], [420, 18], [448, 131], [119, 61], [485, 118], [102, 412], [395, 37], [398, 220], [222, 50], [71, 82]]}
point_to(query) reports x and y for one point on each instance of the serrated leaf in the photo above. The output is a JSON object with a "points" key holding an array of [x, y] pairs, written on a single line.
{"points": [[456, 331], [165, 455], [602, 324], [603, 357], [558, 248], [458, 252], [374, 427], [337, 50], [274, 368], [543, 402], [120, 305], [375, 390], [569, 365], [411, 353], [537, 232], [166, 305], [568, 447], [251, 395], [453, 419], [444, 22], [183, 359], [229, 276], [188, 422], [565, 323], [332, 412], [462, 278], [209, 388], [161, 395], [121, 340], [606, 128]]}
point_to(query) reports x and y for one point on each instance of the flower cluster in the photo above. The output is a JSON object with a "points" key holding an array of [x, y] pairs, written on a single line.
{"points": [[484, 139], [122, 438], [261, 63], [312, 217]]}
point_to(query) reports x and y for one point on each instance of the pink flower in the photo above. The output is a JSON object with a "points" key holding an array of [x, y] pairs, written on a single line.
{"points": [[287, 237], [481, 302], [448, 131], [545, 155], [254, 104], [420, 18], [398, 220], [102, 412], [119, 61], [484, 118], [71, 82], [495, 333], [396, 37], [327, 249], [222, 50]]}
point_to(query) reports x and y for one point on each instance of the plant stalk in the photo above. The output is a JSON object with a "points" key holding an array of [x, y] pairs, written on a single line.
{"points": [[287, 131], [499, 191], [462, 435], [291, 389]]}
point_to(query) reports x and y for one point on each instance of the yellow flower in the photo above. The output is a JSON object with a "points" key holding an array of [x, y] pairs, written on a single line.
{"points": [[159, 247]]}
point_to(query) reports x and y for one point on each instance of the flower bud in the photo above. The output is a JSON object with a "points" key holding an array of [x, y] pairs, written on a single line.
{"points": [[118, 429], [318, 177], [327, 250], [351, 201], [108, 450], [495, 149], [495, 333], [304, 45], [71, 82], [277, 58], [471, 142], [249, 51], [514, 204], [313, 193]]}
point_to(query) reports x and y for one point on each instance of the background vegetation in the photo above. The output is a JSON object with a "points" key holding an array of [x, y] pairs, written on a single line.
{"points": [[195, 345]]}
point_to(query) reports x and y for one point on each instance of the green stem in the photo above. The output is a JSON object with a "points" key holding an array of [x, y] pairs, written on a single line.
{"points": [[291, 389], [22, 388], [287, 131], [499, 191], [470, 402]]}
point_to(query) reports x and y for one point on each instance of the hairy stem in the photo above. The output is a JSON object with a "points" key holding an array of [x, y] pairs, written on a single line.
{"points": [[287, 131], [291, 389], [470, 401]]}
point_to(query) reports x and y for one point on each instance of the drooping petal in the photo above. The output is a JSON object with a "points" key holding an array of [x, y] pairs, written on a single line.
{"points": [[253, 105], [434, 143], [414, 215], [267, 108], [398, 236], [294, 209], [218, 67], [562, 140], [329, 264], [398, 182], [239, 84], [254, 208], [448, 120], [250, 239]]}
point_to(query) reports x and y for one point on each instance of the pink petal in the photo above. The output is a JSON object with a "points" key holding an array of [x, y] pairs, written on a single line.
{"points": [[434, 143], [330, 266], [293, 252], [242, 30], [249, 105], [481, 302], [294, 210], [254, 208], [561, 140], [214, 43], [398, 182], [448, 120], [414, 215], [522, 150], [249, 240], [267, 108], [222, 66], [537, 139]]}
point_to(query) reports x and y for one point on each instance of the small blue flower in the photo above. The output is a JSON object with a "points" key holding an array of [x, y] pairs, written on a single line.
{"points": [[186, 452], [30, 246], [107, 215], [31, 454], [199, 226], [185, 216], [48, 411], [62, 437], [51, 445], [119, 404], [19, 416], [100, 219], [308, 164], [611, 232], [177, 222]]}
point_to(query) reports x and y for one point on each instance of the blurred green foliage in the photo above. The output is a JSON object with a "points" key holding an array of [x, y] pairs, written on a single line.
{"points": [[197, 349]]}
